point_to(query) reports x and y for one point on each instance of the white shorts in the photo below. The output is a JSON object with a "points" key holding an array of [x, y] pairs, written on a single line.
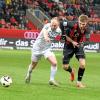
{"points": [[36, 56]]}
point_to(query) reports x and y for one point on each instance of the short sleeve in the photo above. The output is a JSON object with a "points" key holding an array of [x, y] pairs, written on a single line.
{"points": [[46, 26]]}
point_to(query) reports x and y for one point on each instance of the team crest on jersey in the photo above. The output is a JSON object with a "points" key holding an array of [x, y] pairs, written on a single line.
{"points": [[76, 34], [52, 34]]}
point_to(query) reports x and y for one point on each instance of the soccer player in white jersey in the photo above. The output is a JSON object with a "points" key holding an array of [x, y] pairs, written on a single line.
{"points": [[42, 47]]}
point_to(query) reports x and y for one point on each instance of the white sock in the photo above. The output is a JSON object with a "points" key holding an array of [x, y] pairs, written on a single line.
{"points": [[29, 70], [53, 72]]}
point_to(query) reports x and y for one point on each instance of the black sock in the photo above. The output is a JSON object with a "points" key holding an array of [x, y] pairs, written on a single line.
{"points": [[69, 69], [80, 73]]}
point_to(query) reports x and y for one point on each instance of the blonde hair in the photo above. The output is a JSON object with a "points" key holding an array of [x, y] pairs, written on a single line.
{"points": [[55, 20], [83, 18]]}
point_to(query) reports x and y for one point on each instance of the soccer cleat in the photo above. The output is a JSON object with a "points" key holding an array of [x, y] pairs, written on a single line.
{"points": [[53, 82], [28, 78], [80, 85], [72, 76]]}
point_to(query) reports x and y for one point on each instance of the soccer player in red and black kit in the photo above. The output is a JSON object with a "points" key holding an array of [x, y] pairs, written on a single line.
{"points": [[75, 33]]}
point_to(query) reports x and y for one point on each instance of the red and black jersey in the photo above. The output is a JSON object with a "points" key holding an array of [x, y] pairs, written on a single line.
{"points": [[73, 31]]}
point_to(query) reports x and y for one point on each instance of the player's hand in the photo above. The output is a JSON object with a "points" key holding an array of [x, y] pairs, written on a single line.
{"points": [[75, 44], [62, 41], [81, 44], [47, 39]]}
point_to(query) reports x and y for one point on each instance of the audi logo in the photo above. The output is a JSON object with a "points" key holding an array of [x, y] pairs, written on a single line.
{"points": [[31, 35]]}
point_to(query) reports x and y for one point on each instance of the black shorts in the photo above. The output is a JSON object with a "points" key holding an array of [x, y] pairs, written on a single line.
{"points": [[69, 51]]}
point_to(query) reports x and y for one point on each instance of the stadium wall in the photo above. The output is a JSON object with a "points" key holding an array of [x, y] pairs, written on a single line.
{"points": [[24, 39]]}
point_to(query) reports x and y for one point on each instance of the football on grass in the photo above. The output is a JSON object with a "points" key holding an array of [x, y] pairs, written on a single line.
{"points": [[6, 81]]}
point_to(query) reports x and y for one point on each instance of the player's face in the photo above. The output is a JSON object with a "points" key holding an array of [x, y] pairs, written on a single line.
{"points": [[82, 25], [54, 25]]}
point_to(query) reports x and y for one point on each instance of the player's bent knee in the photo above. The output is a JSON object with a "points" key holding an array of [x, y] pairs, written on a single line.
{"points": [[82, 66], [54, 63], [65, 67]]}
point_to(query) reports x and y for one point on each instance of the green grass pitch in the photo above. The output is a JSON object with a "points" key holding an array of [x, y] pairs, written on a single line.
{"points": [[15, 63]]}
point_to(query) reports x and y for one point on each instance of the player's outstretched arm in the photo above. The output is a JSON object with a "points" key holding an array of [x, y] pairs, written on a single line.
{"points": [[46, 36]]}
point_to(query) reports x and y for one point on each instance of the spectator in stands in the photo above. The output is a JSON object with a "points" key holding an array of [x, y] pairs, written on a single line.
{"points": [[2, 4], [45, 21], [70, 9], [71, 17], [1, 13], [8, 2], [13, 21], [3, 23]]}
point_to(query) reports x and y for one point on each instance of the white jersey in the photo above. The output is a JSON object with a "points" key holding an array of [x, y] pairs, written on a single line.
{"points": [[40, 44]]}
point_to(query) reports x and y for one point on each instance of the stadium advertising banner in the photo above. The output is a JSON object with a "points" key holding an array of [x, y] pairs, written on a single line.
{"points": [[94, 47], [24, 39], [17, 39], [9, 43]]}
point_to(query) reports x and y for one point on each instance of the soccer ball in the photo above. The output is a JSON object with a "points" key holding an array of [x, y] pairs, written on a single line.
{"points": [[6, 81]]}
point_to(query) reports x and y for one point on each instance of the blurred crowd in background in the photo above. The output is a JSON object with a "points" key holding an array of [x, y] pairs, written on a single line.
{"points": [[13, 12]]}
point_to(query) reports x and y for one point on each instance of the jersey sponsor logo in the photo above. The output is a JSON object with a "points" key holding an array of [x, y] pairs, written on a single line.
{"points": [[57, 45]]}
